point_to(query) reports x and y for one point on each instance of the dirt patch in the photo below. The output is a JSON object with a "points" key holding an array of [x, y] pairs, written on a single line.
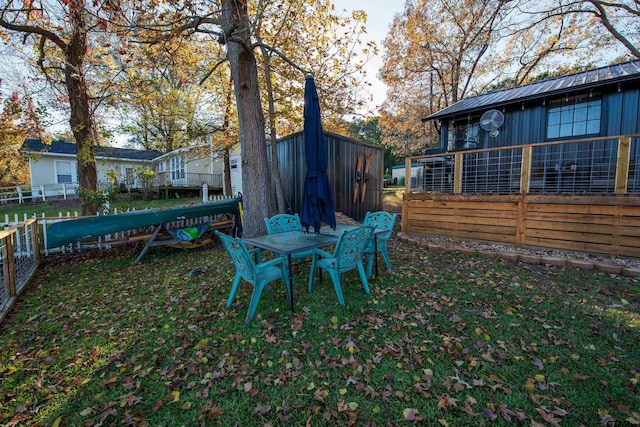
{"points": [[392, 199]]}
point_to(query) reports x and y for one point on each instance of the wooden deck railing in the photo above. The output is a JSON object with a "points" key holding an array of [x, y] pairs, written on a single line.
{"points": [[578, 195], [189, 180], [603, 165]]}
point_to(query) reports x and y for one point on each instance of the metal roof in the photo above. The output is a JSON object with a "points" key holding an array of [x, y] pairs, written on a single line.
{"points": [[69, 148], [610, 74]]}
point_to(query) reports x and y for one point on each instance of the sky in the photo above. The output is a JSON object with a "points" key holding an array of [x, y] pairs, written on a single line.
{"points": [[380, 13]]}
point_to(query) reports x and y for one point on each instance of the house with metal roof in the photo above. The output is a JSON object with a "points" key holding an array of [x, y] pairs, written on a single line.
{"points": [[571, 123], [594, 103]]}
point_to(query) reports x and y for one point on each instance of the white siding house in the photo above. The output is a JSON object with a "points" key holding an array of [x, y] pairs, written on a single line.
{"points": [[189, 166], [399, 171], [56, 165]]}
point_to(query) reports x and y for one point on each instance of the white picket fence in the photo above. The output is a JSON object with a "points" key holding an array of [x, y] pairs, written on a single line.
{"points": [[104, 242], [42, 193]]}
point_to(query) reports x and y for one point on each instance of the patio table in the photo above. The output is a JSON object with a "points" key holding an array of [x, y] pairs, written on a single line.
{"points": [[291, 242]]}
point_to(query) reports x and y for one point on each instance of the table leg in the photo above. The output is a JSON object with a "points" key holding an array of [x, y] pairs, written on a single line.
{"points": [[290, 279]]}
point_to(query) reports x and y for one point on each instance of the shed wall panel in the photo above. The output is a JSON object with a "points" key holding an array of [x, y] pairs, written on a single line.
{"points": [[342, 156]]}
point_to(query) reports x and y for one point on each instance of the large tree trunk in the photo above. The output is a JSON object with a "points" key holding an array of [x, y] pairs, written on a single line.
{"points": [[81, 120], [258, 200]]}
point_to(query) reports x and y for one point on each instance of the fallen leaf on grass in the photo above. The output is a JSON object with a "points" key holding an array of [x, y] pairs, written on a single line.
{"points": [[410, 414]]}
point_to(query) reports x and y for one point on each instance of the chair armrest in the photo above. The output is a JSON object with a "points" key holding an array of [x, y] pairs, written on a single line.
{"points": [[257, 254], [322, 253], [273, 262]]}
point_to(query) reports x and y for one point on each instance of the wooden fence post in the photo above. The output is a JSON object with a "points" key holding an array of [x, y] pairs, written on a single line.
{"points": [[407, 174], [457, 173], [521, 221], [622, 166], [35, 241], [525, 169], [9, 265]]}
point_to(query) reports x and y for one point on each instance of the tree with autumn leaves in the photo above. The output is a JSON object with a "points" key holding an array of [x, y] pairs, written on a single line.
{"points": [[19, 119], [438, 52], [62, 32], [303, 43]]}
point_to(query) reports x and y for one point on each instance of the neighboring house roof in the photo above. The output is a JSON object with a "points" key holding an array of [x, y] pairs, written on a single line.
{"points": [[69, 149], [610, 74]]}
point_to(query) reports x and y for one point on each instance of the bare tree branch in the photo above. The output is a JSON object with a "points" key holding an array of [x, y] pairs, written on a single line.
{"points": [[214, 68], [604, 19], [281, 55], [32, 29]]}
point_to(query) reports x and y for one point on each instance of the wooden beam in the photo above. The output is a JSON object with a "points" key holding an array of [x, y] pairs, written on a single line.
{"points": [[457, 173], [521, 223], [525, 169], [622, 167], [9, 264], [407, 175]]}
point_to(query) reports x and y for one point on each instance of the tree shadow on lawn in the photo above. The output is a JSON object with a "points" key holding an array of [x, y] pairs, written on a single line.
{"points": [[443, 337]]}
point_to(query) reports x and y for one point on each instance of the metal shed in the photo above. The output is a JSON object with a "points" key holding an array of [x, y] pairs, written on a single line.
{"points": [[343, 156]]}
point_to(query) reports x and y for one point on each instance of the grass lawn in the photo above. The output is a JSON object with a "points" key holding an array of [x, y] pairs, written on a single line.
{"points": [[443, 339]]}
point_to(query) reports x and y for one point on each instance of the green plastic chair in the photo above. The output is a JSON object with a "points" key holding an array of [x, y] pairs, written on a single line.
{"points": [[379, 220], [285, 222], [257, 273], [346, 256]]}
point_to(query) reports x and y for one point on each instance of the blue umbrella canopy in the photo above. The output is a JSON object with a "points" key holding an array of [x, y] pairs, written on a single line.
{"points": [[317, 198]]}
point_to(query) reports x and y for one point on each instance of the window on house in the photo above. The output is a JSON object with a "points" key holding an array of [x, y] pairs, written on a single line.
{"points": [[177, 168], [233, 163], [574, 116], [463, 136], [66, 172], [129, 175]]}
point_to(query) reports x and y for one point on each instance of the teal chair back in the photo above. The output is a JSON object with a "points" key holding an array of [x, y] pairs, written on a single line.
{"points": [[351, 247], [379, 220], [237, 250], [283, 222], [259, 274], [347, 255], [286, 222]]}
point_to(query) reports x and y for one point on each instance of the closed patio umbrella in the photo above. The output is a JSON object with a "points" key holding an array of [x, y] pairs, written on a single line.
{"points": [[317, 198]]}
